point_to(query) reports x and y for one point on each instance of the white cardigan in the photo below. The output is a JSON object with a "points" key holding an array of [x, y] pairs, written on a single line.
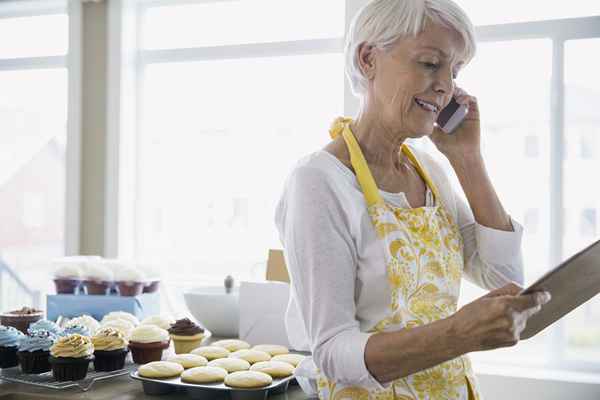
{"points": [[337, 267]]}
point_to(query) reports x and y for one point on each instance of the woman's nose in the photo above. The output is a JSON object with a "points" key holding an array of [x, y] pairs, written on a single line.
{"points": [[444, 83]]}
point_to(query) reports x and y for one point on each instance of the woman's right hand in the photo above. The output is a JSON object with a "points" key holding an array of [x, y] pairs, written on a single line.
{"points": [[496, 319]]}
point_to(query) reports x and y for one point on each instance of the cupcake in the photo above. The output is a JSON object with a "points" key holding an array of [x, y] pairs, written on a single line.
{"points": [[121, 315], [130, 281], [110, 350], [162, 321], [67, 274], [122, 325], [85, 320], [45, 325], [97, 278], [9, 344], [152, 274], [70, 357], [21, 319], [76, 329], [147, 343], [34, 350], [186, 335]]}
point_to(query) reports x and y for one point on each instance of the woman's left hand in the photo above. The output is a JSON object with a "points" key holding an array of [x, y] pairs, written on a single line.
{"points": [[465, 139]]}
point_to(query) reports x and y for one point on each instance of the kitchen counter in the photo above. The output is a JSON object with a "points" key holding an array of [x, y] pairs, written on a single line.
{"points": [[121, 388]]}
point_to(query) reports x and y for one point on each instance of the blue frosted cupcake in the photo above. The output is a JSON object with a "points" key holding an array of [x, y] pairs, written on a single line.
{"points": [[34, 350], [9, 344], [76, 329], [45, 325]]}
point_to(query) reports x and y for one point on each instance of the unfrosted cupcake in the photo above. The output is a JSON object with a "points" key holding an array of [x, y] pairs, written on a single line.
{"points": [[186, 335], [130, 281], [9, 344], [34, 350], [67, 274], [147, 343], [162, 321], [70, 357], [21, 319], [85, 320], [97, 278], [121, 315], [110, 350], [122, 325], [45, 325]]}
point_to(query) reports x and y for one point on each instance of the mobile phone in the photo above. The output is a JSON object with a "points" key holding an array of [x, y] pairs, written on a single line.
{"points": [[451, 116]]}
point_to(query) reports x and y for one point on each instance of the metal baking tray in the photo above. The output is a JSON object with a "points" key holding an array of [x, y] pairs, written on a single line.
{"points": [[46, 380], [156, 387]]}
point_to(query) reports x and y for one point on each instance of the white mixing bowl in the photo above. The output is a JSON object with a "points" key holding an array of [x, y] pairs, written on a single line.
{"points": [[217, 310]]}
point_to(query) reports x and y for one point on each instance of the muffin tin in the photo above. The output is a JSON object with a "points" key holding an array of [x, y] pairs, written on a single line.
{"points": [[195, 391]]}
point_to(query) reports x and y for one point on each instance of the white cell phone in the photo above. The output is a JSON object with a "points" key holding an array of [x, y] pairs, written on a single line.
{"points": [[451, 116]]}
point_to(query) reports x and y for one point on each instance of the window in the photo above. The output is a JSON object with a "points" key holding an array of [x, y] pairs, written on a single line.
{"points": [[213, 101], [33, 136]]}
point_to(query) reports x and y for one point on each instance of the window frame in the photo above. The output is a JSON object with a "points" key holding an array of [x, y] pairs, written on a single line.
{"points": [[72, 63]]}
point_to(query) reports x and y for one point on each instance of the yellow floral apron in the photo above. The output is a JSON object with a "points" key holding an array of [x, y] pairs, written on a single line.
{"points": [[424, 262]]}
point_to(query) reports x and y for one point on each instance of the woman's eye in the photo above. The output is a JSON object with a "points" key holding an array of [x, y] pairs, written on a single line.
{"points": [[430, 65]]}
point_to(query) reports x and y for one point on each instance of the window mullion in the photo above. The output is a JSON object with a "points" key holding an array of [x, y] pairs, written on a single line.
{"points": [[557, 340]]}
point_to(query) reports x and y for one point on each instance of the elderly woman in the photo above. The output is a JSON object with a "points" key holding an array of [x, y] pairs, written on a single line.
{"points": [[375, 238]]}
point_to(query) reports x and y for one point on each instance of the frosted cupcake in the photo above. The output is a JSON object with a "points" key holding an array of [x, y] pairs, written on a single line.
{"points": [[9, 344], [110, 350], [85, 320], [70, 357], [130, 281], [186, 335], [76, 329], [147, 343], [121, 315], [97, 278], [34, 350], [45, 325], [162, 321], [21, 319], [67, 274], [122, 325]]}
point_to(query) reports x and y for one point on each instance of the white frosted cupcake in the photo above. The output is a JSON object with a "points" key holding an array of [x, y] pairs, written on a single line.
{"points": [[122, 325], [162, 321], [121, 315], [147, 343], [130, 281], [97, 278], [68, 272]]}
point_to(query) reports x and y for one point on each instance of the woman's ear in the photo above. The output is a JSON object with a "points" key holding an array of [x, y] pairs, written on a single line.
{"points": [[366, 59]]}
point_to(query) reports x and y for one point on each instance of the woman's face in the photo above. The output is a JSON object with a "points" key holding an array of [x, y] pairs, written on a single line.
{"points": [[410, 83]]}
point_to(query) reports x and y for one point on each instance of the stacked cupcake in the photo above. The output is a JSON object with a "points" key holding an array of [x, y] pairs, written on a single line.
{"points": [[97, 278], [70, 357], [9, 344], [110, 349], [34, 350], [186, 335], [130, 280]]}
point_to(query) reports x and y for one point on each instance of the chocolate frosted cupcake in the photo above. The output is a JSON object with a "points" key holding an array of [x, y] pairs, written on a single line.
{"points": [[70, 357], [147, 343], [34, 350], [110, 350], [21, 319], [9, 344], [186, 335]]}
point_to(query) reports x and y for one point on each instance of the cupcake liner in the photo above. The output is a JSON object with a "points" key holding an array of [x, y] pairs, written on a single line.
{"points": [[66, 286], [34, 362], [130, 289], [143, 353], [8, 357], [69, 369], [185, 345], [106, 361], [96, 288]]}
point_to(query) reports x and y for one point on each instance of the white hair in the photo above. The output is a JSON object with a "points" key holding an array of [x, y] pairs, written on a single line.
{"points": [[382, 22]]}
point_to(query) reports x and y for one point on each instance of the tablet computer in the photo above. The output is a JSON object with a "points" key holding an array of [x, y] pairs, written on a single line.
{"points": [[571, 284]]}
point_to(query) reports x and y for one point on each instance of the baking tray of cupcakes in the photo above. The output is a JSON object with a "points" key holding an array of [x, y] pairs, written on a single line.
{"points": [[230, 368]]}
